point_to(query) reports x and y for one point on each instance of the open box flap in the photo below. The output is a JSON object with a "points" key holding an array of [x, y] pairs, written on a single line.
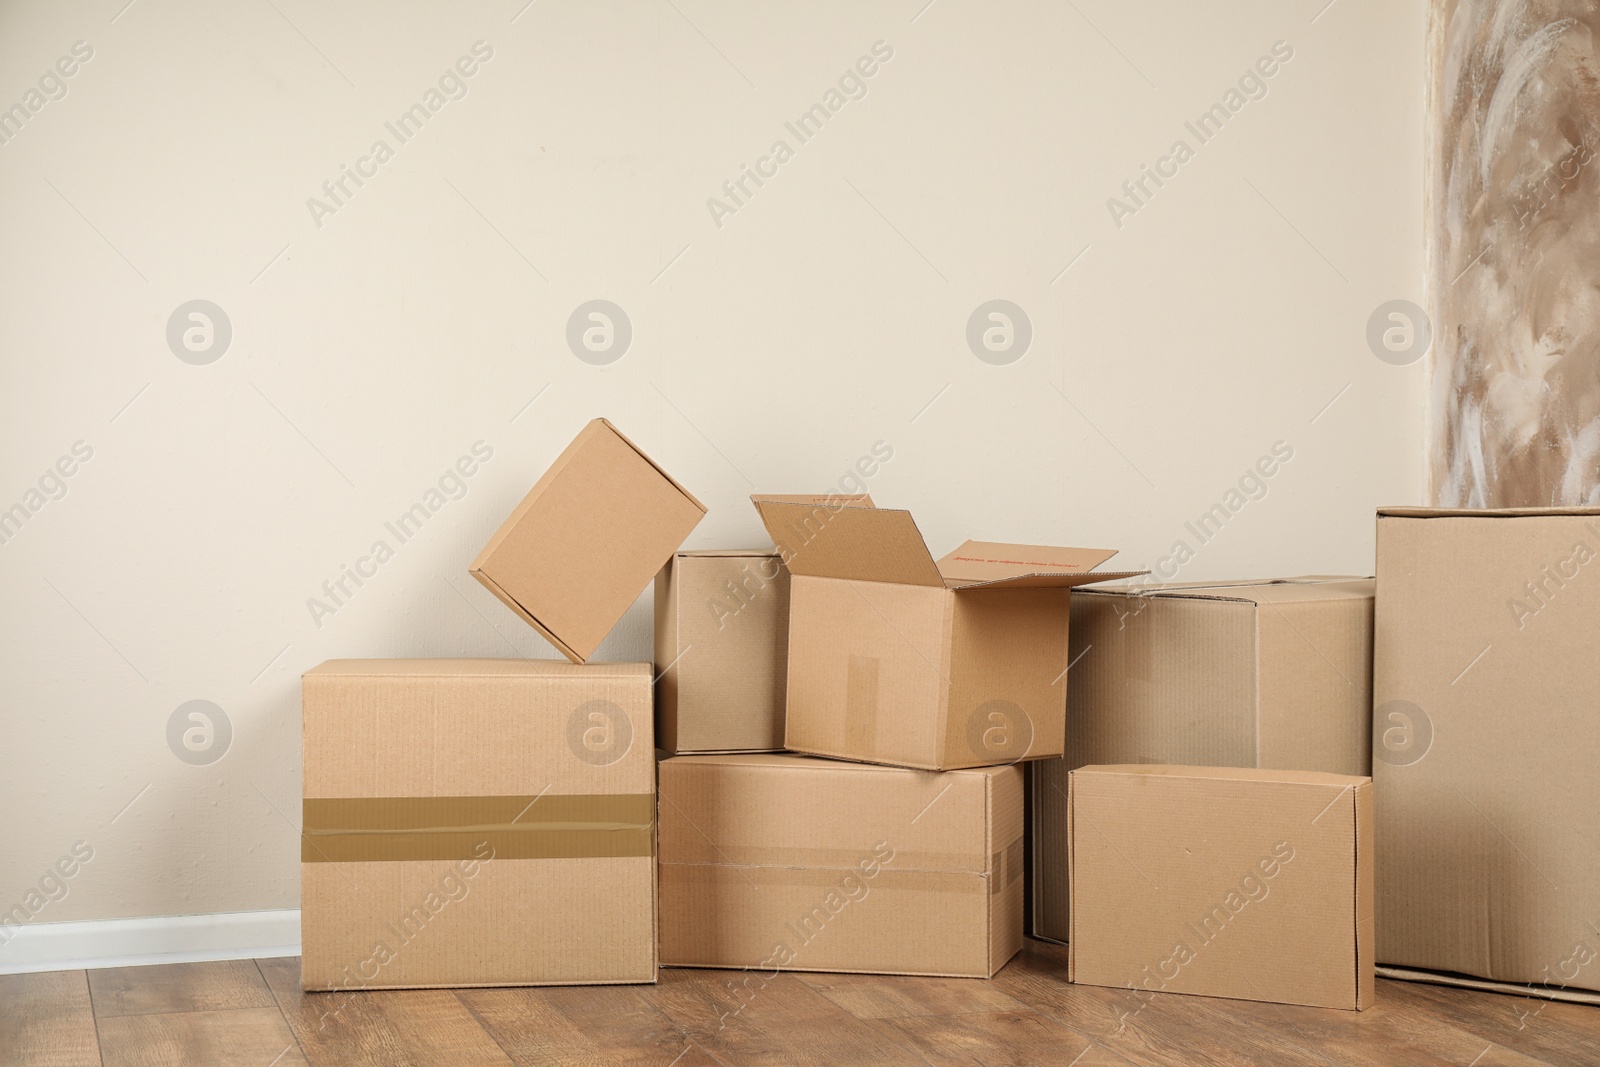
{"points": [[849, 500], [996, 564], [858, 542]]}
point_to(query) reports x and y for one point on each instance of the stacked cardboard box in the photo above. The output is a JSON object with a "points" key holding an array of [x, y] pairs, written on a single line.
{"points": [[492, 822], [923, 684], [787, 862], [1241, 883], [520, 785], [1488, 855], [843, 720], [477, 822], [1270, 674]]}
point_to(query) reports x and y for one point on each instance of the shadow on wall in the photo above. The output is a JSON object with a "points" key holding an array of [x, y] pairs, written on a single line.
{"points": [[1514, 257]]}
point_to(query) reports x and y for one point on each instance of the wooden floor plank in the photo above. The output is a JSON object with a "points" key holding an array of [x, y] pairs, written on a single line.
{"points": [[998, 1039], [746, 1017], [1551, 1030], [46, 1020], [1390, 1033], [1162, 1030], [176, 987], [872, 996], [582, 1025], [155, 1016], [240, 1037], [381, 1028]]}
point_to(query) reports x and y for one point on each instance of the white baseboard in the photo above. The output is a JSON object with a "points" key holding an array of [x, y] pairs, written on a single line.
{"points": [[71, 946]]}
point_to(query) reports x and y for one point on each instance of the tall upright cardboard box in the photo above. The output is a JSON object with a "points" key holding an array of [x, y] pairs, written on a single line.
{"points": [[721, 651], [587, 540], [1487, 746], [477, 823], [1223, 882], [787, 863], [1271, 673], [897, 659]]}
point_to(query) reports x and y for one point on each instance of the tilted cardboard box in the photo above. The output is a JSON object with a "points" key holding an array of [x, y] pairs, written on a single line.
{"points": [[1271, 673], [1487, 748], [721, 649], [1224, 882], [781, 863], [896, 659], [477, 823], [587, 540]]}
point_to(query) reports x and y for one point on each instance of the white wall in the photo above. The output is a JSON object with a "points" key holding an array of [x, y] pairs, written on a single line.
{"points": [[768, 353]]}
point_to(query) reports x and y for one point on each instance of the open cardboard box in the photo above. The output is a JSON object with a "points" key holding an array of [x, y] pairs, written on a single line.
{"points": [[895, 658]]}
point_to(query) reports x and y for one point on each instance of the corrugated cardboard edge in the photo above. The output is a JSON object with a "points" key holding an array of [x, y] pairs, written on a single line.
{"points": [[1366, 986], [1483, 513], [1216, 591], [1462, 981], [832, 970], [901, 764], [655, 881], [622, 670], [511, 602], [998, 874], [1068, 580], [664, 644], [1072, 877]]}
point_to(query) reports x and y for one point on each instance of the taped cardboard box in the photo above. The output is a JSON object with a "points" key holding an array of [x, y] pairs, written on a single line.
{"points": [[1270, 673], [1223, 882], [897, 659], [477, 823], [587, 540], [783, 862], [721, 647], [1486, 744]]}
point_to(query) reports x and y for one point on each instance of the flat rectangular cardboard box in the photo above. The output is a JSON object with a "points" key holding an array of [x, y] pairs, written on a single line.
{"points": [[587, 540], [721, 651], [897, 659], [1223, 882], [1272, 673], [773, 862], [1487, 748], [477, 823]]}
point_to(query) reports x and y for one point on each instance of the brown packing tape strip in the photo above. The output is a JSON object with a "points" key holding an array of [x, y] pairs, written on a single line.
{"points": [[861, 703], [1006, 867], [391, 829], [922, 881], [842, 860]]}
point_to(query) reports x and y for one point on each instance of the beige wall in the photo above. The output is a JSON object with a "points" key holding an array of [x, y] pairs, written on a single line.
{"points": [[825, 315]]}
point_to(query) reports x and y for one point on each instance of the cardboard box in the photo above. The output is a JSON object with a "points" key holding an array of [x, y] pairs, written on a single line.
{"points": [[721, 649], [587, 540], [477, 823], [1224, 882], [1488, 749], [896, 659], [781, 862], [1272, 673]]}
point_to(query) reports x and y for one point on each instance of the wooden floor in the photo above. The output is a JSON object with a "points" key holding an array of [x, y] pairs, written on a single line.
{"points": [[252, 1013]]}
